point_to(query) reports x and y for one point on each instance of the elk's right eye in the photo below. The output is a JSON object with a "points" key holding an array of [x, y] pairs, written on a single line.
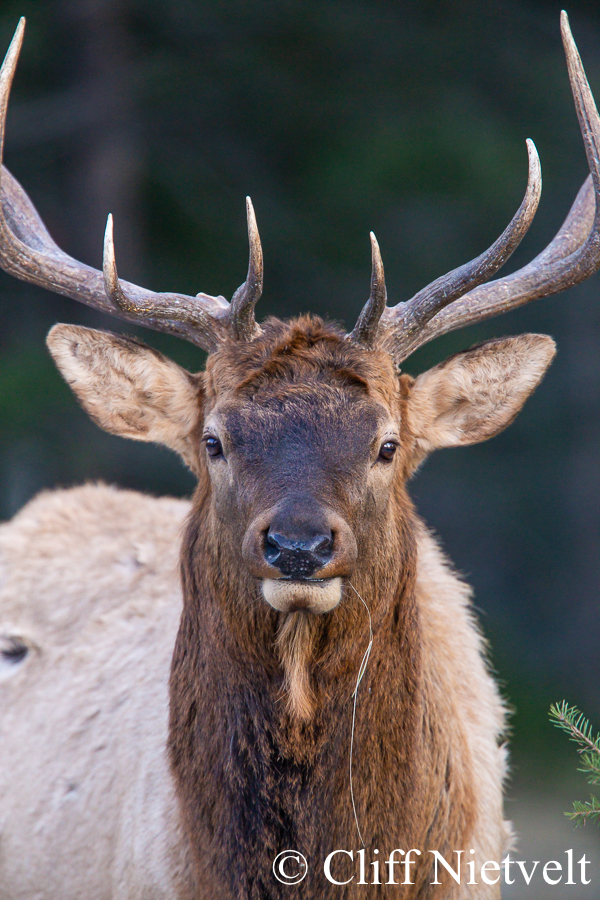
{"points": [[213, 447]]}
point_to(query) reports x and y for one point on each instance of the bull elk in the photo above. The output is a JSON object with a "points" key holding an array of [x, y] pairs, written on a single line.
{"points": [[300, 548]]}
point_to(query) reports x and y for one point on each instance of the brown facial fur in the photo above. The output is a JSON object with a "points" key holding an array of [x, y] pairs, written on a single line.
{"points": [[268, 696], [298, 401]]}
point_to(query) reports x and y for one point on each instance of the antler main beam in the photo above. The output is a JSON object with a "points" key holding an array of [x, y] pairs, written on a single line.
{"points": [[28, 252], [460, 298]]}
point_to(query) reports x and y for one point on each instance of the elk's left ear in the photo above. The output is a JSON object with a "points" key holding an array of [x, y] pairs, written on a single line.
{"points": [[128, 388], [475, 394]]}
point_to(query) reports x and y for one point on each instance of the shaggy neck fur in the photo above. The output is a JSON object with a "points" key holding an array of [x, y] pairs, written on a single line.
{"points": [[256, 774]]}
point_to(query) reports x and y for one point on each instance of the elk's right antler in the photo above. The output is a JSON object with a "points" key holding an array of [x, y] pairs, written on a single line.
{"points": [[28, 252]]}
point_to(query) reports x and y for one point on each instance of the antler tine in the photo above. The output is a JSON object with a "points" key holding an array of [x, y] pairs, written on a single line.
{"points": [[202, 320], [28, 252], [367, 327], [31, 225], [7, 74], [409, 318], [571, 257], [109, 270], [244, 300], [584, 100]]}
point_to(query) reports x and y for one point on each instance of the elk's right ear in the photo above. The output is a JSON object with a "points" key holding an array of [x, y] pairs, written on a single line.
{"points": [[128, 388]]}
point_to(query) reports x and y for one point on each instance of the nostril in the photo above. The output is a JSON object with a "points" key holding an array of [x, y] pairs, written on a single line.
{"points": [[273, 547], [323, 545]]}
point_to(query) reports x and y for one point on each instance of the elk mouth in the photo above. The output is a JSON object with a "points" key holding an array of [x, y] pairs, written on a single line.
{"points": [[300, 551], [314, 595]]}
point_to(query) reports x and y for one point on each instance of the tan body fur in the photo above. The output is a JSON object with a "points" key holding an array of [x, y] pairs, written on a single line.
{"points": [[88, 580]]}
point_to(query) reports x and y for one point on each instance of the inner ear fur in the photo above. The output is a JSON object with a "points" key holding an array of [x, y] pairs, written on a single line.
{"points": [[128, 388], [474, 395]]}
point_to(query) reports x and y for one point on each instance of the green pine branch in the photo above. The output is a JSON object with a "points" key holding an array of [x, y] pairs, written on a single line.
{"points": [[570, 720], [584, 812]]}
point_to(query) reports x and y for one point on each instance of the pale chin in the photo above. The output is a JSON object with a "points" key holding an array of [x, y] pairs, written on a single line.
{"points": [[311, 596]]}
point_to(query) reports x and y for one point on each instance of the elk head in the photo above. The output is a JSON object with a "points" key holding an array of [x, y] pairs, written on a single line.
{"points": [[302, 436]]}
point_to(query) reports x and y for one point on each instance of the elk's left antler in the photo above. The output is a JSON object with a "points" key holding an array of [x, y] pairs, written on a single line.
{"points": [[460, 298]]}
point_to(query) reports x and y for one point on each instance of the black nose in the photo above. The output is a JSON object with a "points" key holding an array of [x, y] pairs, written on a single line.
{"points": [[298, 558]]}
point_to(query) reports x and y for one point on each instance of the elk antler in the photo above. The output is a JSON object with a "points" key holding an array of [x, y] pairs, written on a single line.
{"points": [[444, 290], [28, 252], [460, 298], [365, 330]]}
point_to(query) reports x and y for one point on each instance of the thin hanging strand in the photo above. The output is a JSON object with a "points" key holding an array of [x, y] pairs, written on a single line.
{"points": [[361, 672]]}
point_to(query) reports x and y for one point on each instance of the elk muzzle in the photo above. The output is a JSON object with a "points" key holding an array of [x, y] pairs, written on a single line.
{"points": [[301, 551]]}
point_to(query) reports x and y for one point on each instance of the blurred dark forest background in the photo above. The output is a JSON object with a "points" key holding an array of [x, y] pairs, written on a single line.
{"points": [[337, 117]]}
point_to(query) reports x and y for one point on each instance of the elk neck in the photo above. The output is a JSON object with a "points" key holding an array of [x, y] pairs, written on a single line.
{"points": [[252, 775]]}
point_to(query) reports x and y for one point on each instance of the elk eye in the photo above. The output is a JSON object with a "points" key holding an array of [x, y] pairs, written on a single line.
{"points": [[387, 451], [213, 446]]}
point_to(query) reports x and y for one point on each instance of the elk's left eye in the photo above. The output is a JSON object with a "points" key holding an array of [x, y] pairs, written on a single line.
{"points": [[213, 446], [387, 451]]}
